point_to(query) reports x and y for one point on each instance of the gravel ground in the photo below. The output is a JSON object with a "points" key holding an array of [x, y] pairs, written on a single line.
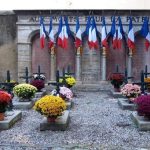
{"points": [[96, 123]]}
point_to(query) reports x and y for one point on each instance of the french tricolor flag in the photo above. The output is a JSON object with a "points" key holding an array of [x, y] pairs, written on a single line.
{"points": [[94, 35], [113, 33], [42, 33], [51, 35], [60, 33], [78, 39], [66, 31], [120, 34], [131, 39], [104, 34], [145, 33]]}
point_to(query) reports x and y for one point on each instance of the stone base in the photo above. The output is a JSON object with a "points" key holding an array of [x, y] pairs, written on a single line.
{"points": [[10, 120], [117, 94], [69, 105], [125, 105], [61, 123], [40, 94], [142, 123], [23, 105]]}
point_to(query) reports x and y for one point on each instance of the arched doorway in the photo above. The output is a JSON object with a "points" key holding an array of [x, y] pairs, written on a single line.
{"points": [[66, 57], [90, 63], [40, 57], [115, 57], [141, 57]]}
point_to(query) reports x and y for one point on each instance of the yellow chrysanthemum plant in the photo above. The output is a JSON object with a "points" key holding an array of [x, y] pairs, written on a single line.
{"points": [[69, 81], [147, 80], [25, 91], [50, 106]]}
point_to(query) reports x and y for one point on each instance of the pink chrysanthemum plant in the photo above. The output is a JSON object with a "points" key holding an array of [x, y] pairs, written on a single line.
{"points": [[131, 91], [66, 93]]}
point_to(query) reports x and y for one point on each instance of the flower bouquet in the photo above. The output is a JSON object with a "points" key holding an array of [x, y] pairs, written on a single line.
{"points": [[50, 106], [143, 105], [39, 84], [5, 100], [116, 80], [65, 93], [25, 91], [131, 91]]}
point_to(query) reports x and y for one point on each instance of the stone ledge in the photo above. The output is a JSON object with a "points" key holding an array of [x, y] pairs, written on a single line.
{"points": [[23, 105], [10, 120], [61, 123], [125, 105], [142, 123], [69, 105], [40, 94]]}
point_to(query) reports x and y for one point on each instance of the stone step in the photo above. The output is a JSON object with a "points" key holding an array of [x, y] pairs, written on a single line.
{"points": [[101, 86]]}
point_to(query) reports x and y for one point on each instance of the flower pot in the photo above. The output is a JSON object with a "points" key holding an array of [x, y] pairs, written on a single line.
{"points": [[51, 119], [116, 89], [24, 99], [2, 116]]}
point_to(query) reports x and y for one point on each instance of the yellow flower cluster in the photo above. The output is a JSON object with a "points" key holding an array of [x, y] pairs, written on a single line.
{"points": [[50, 106], [24, 90], [71, 80]]}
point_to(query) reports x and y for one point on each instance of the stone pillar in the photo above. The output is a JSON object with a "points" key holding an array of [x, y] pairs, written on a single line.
{"points": [[53, 64], [24, 59], [78, 65], [103, 69], [130, 63]]}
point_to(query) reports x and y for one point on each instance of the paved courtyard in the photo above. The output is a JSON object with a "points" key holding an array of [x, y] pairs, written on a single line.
{"points": [[96, 123]]}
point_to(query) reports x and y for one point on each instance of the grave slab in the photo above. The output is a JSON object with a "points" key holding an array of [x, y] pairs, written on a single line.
{"points": [[10, 120], [61, 123], [125, 105], [23, 105], [142, 123]]}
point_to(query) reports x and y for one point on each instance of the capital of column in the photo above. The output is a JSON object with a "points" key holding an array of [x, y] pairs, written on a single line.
{"points": [[130, 52], [79, 50], [104, 51], [52, 50]]}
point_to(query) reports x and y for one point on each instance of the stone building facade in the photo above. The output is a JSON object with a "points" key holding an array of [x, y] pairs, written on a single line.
{"points": [[91, 66]]}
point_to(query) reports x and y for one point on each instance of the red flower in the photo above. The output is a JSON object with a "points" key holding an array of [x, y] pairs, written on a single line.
{"points": [[5, 98]]}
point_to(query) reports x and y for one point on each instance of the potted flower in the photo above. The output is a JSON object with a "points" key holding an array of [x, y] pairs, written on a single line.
{"points": [[147, 80], [50, 106], [39, 84], [143, 105], [65, 93], [5, 99], [25, 91], [116, 80], [39, 77], [131, 91]]}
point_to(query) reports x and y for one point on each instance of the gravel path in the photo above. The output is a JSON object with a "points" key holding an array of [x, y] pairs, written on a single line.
{"points": [[96, 123]]}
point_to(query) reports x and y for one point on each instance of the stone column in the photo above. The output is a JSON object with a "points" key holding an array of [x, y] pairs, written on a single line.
{"points": [[130, 63], [53, 64], [103, 69], [78, 65]]}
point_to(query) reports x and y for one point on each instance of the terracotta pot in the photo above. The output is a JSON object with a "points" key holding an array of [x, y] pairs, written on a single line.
{"points": [[51, 119], [2, 116]]}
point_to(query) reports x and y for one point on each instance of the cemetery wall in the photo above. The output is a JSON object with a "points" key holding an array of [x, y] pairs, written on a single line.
{"points": [[8, 52]]}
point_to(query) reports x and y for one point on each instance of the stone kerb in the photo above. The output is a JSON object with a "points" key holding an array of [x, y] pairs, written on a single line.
{"points": [[141, 122], [125, 105], [61, 123]]}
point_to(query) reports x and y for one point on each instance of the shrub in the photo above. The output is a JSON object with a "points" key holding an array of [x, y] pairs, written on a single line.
{"points": [[39, 84]]}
